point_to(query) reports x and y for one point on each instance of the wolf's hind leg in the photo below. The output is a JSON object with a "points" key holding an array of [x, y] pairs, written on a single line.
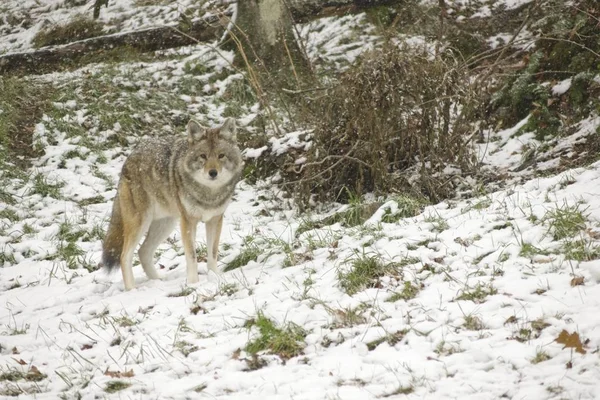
{"points": [[159, 230], [213, 233], [134, 228]]}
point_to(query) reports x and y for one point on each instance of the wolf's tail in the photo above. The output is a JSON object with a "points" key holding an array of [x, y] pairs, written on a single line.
{"points": [[113, 241]]}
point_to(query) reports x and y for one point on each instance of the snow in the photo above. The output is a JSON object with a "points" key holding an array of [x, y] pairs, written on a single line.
{"points": [[122, 16], [73, 319], [561, 87], [338, 41], [82, 330], [291, 140], [504, 150]]}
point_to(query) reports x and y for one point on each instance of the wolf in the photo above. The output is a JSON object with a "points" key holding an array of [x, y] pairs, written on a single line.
{"points": [[190, 179]]}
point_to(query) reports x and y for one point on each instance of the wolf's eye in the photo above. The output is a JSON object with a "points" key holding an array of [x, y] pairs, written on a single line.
{"points": [[221, 156], [203, 156]]}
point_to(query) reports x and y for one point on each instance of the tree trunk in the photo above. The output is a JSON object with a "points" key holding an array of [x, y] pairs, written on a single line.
{"points": [[267, 46]]}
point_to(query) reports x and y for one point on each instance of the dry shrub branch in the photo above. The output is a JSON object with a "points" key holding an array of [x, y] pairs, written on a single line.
{"points": [[399, 121]]}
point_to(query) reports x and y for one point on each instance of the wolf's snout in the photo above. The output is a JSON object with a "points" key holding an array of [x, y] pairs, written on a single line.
{"points": [[212, 173]]}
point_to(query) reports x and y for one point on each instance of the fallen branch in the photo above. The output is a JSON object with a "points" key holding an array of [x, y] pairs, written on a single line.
{"points": [[152, 39]]}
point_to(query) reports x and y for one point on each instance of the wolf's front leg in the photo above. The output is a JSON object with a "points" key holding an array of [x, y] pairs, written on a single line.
{"points": [[213, 233], [188, 236]]}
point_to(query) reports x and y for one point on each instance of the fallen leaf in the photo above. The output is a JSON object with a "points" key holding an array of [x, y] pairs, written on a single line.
{"points": [[112, 374], [577, 281], [20, 361], [593, 234], [34, 374], [119, 374], [15, 351], [570, 340]]}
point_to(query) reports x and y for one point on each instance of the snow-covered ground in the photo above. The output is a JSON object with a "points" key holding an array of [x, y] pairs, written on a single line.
{"points": [[20, 20], [476, 295]]}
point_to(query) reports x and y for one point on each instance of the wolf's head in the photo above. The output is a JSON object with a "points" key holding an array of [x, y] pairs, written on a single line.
{"points": [[213, 157]]}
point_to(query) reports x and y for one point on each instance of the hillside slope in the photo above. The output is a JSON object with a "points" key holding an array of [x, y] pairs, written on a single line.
{"points": [[493, 296]]}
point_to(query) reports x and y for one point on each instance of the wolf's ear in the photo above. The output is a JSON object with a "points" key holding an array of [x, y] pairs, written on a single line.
{"points": [[229, 129], [195, 131]]}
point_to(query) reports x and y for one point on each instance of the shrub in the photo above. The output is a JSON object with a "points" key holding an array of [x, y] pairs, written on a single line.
{"points": [[400, 110], [566, 47]]}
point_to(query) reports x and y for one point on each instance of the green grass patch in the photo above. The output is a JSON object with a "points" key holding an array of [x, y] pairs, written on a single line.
{"points": [[111, 97], [439, 224], [7, 256], [580, 250], [540, 356], [478, 293], [41, 185], [238, 96], [408, 206], [13, 375], [346, 317], [184, 292], [200, 387], [366, 272], [566, 221], [473, 323], [22, 104], [528, 250], [186, 348], [70, 253], [482, 204], [116, 386], [228, 289], [91, 200], [250, 252], [286, 341], [391, 339], [409, 291], [9, 214], [67, 249], [402, 390], [15, 330], [124, 321], [307, 224], [67, 232]]}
